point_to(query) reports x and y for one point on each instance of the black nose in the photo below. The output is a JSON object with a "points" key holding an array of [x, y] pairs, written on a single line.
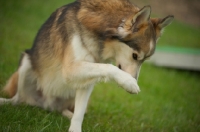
{"points": [[119, 66]]}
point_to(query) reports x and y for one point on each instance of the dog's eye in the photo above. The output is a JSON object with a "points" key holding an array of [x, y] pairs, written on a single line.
{"points": [[134, 55]]}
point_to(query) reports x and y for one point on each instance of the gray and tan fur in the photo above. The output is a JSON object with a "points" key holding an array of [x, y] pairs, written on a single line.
{"points": [[70, 50]]}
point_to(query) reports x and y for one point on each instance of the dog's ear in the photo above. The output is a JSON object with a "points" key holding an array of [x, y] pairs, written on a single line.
{"points": [[142, 16], [160, 23], [130, 25]]}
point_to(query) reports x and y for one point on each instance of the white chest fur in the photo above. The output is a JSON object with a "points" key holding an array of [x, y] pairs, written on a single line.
{"points": [[85, 48]]}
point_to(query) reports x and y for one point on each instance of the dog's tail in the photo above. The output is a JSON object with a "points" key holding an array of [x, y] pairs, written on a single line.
{"points": [[10, 88]]}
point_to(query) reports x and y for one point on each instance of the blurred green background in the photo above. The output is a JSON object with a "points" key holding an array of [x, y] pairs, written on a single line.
{"points": [[169, 100]]}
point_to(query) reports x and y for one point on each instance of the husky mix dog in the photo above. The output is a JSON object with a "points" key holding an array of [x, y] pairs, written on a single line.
{"points": [[71, 51]]}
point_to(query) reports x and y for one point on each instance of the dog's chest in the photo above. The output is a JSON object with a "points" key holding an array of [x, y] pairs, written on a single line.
{"points": [[85, 48]]}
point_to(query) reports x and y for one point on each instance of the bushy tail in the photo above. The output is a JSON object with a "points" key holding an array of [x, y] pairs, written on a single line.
{"points": [[11, 87]]}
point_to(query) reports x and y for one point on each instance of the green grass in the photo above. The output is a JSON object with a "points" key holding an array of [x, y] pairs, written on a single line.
{"points": [[169, 100]]}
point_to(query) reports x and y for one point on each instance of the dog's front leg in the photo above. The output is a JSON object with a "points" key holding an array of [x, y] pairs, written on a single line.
{"points": [[81, 100], [83, 74]]}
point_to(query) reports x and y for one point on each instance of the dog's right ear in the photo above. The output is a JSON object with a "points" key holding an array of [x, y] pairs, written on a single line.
{"points": [[128, 27], [131, 25]]}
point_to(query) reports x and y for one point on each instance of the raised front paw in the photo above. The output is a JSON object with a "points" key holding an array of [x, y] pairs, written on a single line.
{"points": [[129, 84]]}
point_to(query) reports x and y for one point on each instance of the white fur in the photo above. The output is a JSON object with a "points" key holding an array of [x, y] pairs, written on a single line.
{"points": [[123, 33], [25, 66], [85, 49], [79, 50], [82, 97], [151, 46], [141, 55], [53, 84], [22, 91]]}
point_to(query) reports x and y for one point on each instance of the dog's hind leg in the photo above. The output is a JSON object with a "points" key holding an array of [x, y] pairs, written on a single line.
{"points": [[69, 109], [13, 100], [67, 113], [27, 84], [23, 81]]}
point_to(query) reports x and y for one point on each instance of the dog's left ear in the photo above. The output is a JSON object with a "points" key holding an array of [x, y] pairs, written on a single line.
{"points": [[142, 16], [160, 23]]}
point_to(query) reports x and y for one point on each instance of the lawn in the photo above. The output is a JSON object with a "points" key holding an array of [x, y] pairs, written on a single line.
{"points": [[169, 100]]}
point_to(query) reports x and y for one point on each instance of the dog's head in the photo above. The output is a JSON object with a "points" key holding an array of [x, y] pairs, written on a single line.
{"points": [[134, 40]]}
